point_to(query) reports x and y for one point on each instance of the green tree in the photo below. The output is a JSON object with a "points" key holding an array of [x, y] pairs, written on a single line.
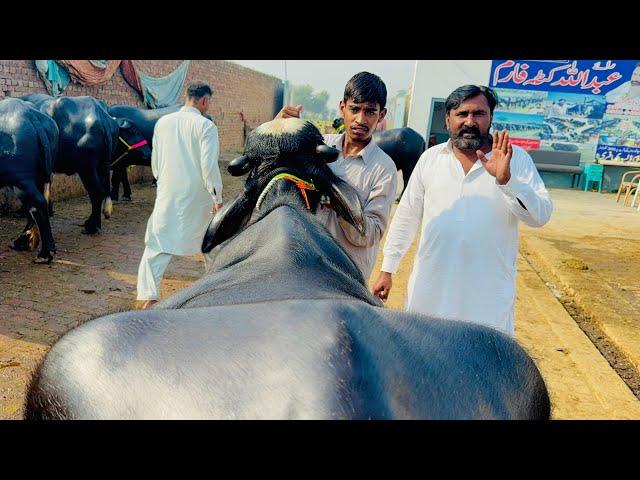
{"points": [[315, 103]]}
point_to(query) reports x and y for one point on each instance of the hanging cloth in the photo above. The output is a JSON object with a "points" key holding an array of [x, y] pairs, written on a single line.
{"points": [[163, 91], [55, 77], [130, 75], [90, 72], [156, 92]]}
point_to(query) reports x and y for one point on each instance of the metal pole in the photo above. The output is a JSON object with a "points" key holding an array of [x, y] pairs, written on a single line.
{"points": [[286, 86]]}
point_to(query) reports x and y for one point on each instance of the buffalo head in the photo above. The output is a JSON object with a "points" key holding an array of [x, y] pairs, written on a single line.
{"points": [[131, 144], [287, 163]]}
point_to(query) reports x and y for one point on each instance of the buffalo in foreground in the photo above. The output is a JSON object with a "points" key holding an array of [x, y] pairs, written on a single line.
{"points": [[282, 325]]}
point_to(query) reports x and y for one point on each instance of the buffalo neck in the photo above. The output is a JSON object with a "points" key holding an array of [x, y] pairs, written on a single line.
{"points": [[287, 254]]}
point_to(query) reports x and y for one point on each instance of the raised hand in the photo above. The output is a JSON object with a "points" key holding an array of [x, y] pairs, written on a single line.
{"points": [[289, 112], [499, 165]]}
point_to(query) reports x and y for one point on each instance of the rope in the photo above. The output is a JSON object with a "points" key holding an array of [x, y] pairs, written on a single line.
{"points": [[301, 184], [129, 148]]}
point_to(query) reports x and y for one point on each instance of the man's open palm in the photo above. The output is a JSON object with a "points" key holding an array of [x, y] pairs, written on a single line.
{"points": [[499, 164]]}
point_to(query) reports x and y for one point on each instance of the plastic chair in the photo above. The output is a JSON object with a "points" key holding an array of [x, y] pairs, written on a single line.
{"points": [[628, 186], [593, 173]]}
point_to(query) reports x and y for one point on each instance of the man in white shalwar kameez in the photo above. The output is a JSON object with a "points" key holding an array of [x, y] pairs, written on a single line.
{"points": [[362, 164], [184, 160], [467, 196]]}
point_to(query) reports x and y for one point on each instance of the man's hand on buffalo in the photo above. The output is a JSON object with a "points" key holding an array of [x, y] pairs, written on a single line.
{"points": [[383, 285], [289, 112]]}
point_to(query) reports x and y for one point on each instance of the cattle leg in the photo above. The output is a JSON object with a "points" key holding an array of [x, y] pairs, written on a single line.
{"points": [[126, 188], [105, 175], [95, 189], [116, 179], [28, 239], [36, 204]]}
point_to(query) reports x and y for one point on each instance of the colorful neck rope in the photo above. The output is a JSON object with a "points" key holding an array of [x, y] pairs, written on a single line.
{"points": [[301, 184], [129, 148]]}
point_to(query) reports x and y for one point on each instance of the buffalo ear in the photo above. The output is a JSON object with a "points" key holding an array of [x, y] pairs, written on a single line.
{"points": [[239, 166], [327, 153], [344, 200], [227, 222]]}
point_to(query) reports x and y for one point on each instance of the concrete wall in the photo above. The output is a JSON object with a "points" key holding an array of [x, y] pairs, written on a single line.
{"points": [[433, 79]]}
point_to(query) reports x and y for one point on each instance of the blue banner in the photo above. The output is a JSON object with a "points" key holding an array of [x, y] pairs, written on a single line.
{"points": [[586, 106], [593, 77]]}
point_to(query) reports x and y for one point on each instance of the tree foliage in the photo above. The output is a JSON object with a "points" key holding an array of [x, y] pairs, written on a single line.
{"points": [[315, 103]]}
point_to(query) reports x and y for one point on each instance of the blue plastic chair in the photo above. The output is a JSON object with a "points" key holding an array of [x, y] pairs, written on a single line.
{"points": [[593, 173]]}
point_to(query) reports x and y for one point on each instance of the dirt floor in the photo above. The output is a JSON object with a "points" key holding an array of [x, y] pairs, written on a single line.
{"points": [[95, 275]]}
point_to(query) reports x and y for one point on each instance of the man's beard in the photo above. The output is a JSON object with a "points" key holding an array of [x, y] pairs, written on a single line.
{"points": [[471, 143]]}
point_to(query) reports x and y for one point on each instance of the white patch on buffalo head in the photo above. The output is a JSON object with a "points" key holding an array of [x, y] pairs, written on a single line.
{"points": [[280, 126]]}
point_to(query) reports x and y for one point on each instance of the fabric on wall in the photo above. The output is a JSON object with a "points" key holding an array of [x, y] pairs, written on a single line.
{"points": [[163, 91], [90, 72], [55, 77]]}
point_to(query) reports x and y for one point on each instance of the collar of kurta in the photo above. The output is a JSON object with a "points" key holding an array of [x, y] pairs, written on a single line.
{"points": [[364, 154], [187, 108]]}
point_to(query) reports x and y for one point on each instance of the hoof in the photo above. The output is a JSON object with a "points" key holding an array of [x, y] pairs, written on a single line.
{"points": [[126, 199], [85, 231], [46, 260], [20, 245]]}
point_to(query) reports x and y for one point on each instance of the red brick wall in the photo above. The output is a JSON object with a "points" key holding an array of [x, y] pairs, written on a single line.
{"points": [[235, 89]]}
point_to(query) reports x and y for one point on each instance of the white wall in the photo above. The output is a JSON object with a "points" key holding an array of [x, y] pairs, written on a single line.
{"points": [[437, 79]]}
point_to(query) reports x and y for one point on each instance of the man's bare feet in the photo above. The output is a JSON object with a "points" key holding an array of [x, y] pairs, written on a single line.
{"points": [[148, 304]]}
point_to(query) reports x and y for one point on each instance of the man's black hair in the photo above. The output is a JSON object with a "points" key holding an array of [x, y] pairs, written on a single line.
{"points": [[366, 87], [466, 92], [197, 90]]}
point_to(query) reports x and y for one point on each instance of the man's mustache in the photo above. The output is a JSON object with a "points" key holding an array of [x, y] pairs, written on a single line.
{"points": [[472, 130]]}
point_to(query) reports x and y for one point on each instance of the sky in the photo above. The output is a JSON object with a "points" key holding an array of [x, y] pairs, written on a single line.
{"points": [[332, 75]]}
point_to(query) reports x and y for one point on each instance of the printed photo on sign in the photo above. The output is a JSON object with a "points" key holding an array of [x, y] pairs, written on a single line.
{"points": [[519, 125], [575, 105], [571, 129], [625, 99], [521, 101], [621, 127]]}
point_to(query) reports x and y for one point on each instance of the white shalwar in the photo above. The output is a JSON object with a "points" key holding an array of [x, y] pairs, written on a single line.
{"points": [[465, 265], [184, 160]]}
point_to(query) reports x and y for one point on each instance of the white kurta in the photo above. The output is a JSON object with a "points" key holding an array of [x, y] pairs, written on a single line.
{"points": [[184, 159], [373, 175], [465, 265]]}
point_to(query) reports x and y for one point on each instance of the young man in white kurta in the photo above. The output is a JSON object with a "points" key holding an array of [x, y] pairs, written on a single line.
{"points": [[465, 264], [362, 164], [184, 160], [373, 175]]}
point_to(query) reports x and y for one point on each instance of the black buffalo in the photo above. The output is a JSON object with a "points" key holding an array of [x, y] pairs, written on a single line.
{"points": [[90, 139], [282, 325], [404, 146], [28, 145], [144, 120]]}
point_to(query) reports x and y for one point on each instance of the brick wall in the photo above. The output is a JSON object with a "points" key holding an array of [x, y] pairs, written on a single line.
{"points": [[236, 89]]}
